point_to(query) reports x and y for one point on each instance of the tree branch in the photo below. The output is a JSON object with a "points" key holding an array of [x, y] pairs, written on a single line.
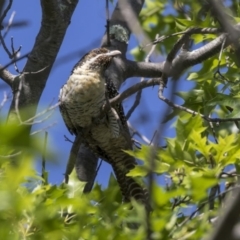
{"points": [[183, 61], [55, 20], [228, 27], [6, 76], [225, 226]]}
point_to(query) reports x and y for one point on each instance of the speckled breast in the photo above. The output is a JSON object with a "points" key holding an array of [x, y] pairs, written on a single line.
{"points": [[83, 96]]}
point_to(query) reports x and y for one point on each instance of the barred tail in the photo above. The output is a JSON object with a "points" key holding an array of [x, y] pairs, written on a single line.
{"points": [[129, 187]]}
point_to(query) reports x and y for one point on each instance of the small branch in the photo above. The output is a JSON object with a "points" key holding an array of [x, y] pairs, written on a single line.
{"points": [[10, 155], [6, 11], [189, 31], [125, 94], [135, 132], [44, 157], [10, 21], [5, 46], [31, 121], [6, 76], [213, 132], [108, 24], [209, 119], [14, 55], [67, 139], [12, 62], [225, 225], [43, 129], [206, 202], [5, 98]]}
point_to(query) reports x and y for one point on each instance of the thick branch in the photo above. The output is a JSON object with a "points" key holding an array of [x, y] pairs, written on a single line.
{"points": [[55, 20], [225, 226], [183, 61]]}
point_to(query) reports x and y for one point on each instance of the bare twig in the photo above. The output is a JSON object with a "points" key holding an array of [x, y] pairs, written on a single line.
{"points": [[189, 31], [206, 202], [67, 139], [6, 76], [5, 46], [135, 132], [108, 24], [5, 98], [44, 157], [43, 129], [10, 155], [226, 223], [6, 11], [31, 121], [135, 88], [219, 61], [209, 119], [12, 62], [14, 55], [17, 100], [10, 21]]}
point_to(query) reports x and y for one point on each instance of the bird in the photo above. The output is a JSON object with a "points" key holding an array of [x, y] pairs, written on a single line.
{"points": [[81, 100]]}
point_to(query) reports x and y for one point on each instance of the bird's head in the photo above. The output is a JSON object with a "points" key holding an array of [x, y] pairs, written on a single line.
{"points": [[96, 60]]}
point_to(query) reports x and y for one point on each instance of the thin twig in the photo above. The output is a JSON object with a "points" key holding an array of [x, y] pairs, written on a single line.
{"points": [[67, 139], [227, 222], [209, 119], [44, 157], [5, 46], [5, 98], [108, 24], [205, 202], [156, 81], [219, 60], [31, 120], [10, 21], [43, 129], [6, 11], [10, 155], [135, 132], [189, 31], [14, 55], [17, 96]]}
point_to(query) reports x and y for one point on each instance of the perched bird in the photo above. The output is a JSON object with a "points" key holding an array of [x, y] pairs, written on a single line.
{"points": [[107, 135]]}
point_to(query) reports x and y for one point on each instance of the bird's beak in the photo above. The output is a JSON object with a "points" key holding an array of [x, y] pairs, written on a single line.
{"points": [[113, 53]]}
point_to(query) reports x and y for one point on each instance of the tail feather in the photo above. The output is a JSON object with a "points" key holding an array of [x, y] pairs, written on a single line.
{"points": [[129, 187]]}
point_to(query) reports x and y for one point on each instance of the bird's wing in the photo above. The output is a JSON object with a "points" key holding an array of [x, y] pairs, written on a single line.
{"points": [[111, 93], [64, 113]]}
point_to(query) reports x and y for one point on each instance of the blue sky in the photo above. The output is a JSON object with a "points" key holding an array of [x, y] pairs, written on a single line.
{"points": [[84, 33]]}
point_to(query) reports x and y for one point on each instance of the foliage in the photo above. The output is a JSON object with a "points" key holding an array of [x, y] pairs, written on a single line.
{"points": [[33, 209], [192, 164]]}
